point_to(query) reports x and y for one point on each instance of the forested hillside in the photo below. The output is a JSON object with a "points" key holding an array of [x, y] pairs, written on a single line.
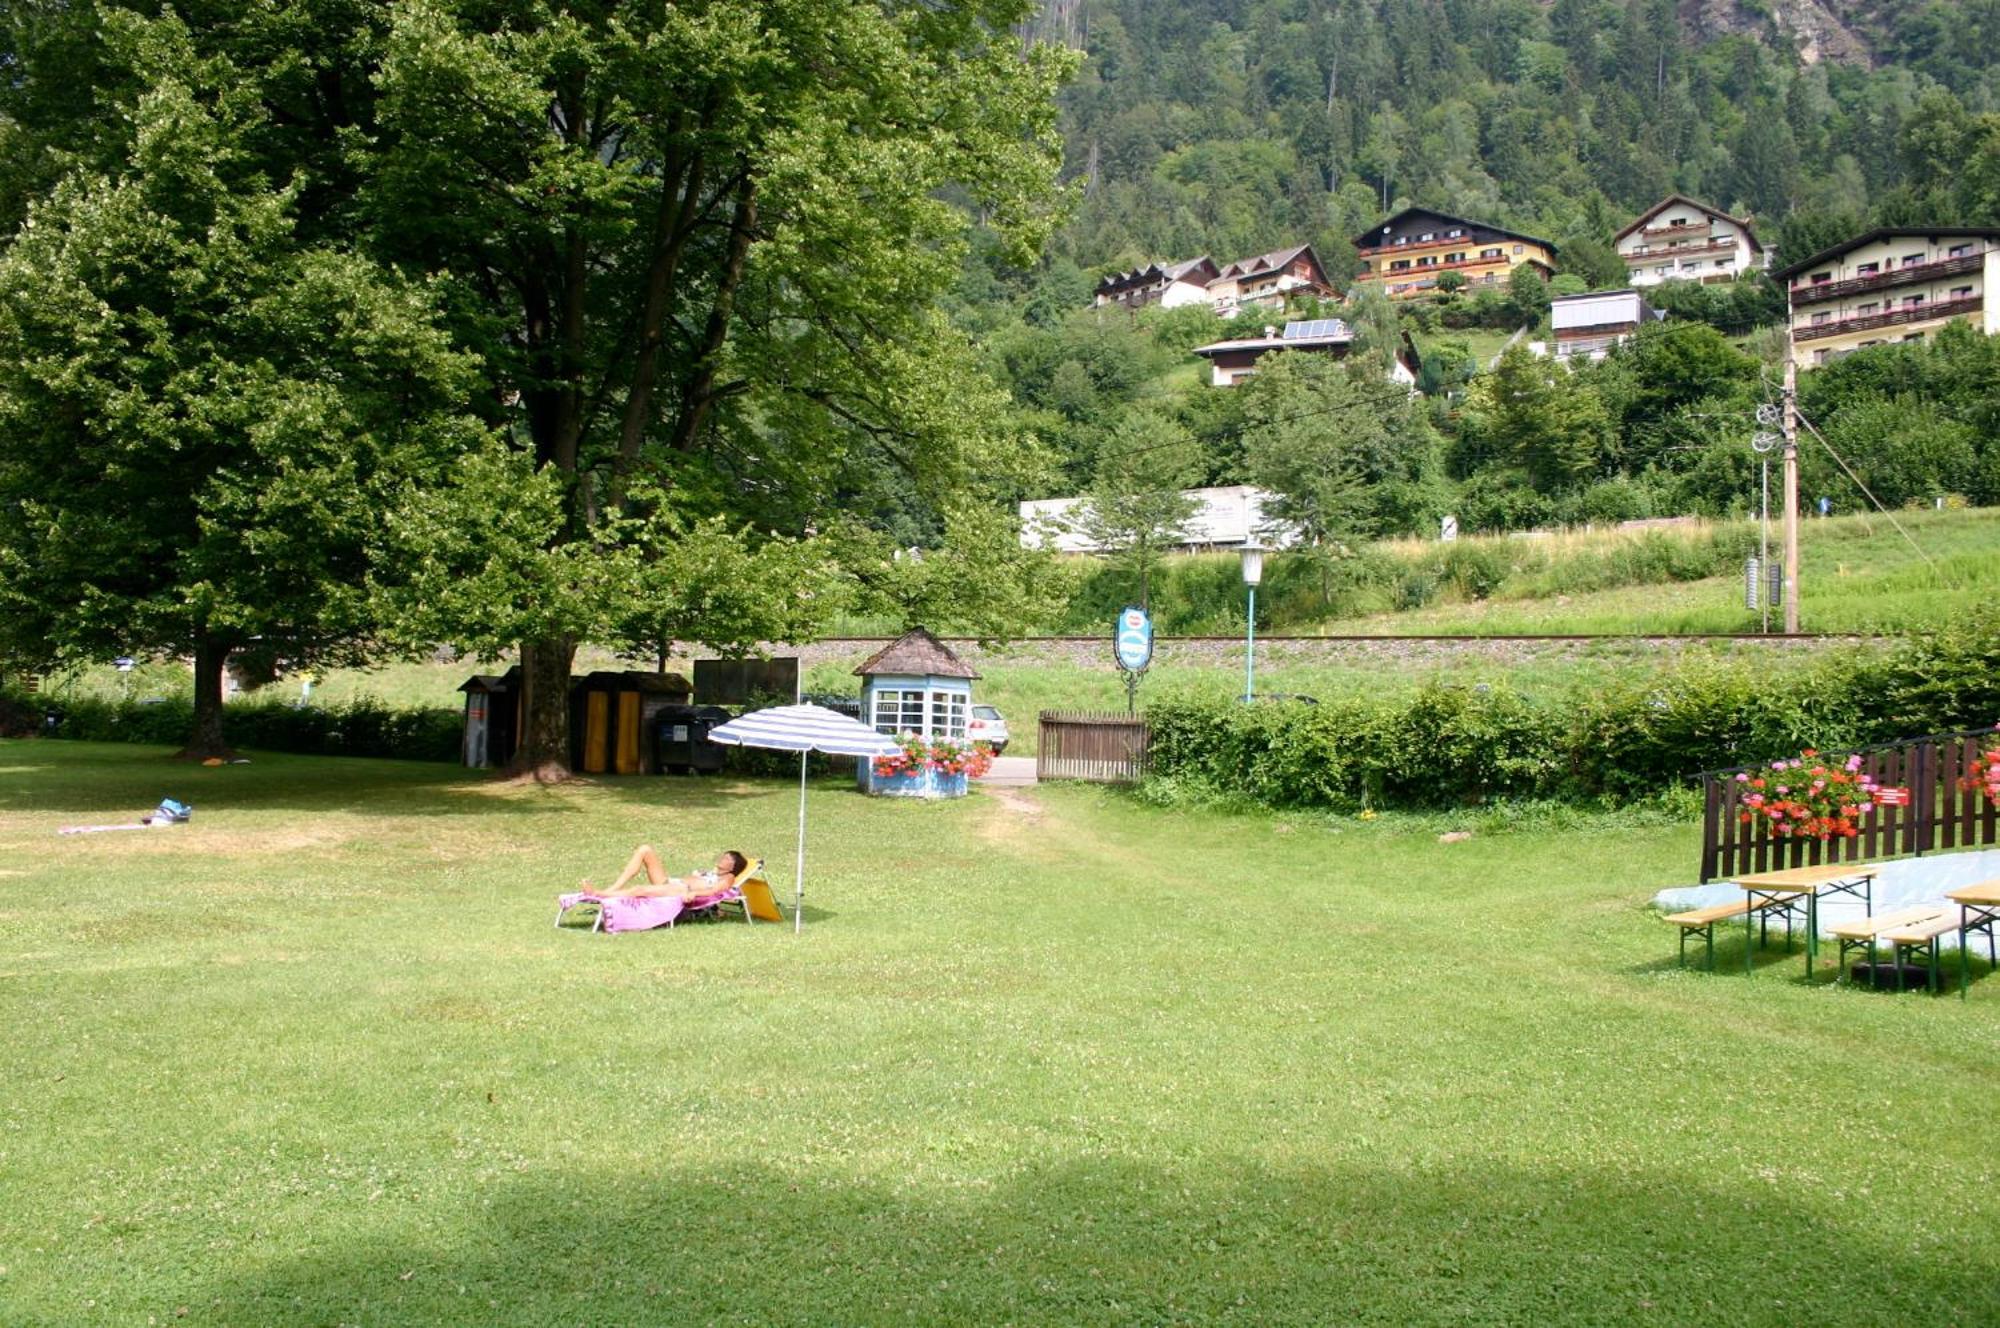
{"points": [[1231, 126]]}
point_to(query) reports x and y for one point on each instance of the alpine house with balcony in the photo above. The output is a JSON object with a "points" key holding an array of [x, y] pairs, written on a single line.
{"points": [[1678, 239], [1891, 284], [1406, 254]]}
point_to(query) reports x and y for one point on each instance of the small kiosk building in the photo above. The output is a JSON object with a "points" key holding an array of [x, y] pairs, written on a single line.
{"points": [[915, 687]]}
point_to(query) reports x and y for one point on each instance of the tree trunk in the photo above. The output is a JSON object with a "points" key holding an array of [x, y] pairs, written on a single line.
{"points": [[206, 741], [543, 755]]}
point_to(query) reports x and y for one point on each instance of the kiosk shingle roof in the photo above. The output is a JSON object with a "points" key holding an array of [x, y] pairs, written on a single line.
{"points": [[916, 651]]}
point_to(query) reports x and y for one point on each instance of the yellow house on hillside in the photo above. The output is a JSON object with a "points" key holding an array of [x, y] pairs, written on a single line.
{"points": [[1406, 254]]}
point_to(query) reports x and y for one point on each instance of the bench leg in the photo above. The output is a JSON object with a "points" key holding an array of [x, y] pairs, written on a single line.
{"points": [[1708, 935], [1684, 946]]}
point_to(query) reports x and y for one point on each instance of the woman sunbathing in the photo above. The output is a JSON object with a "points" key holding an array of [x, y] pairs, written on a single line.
{"points": [[695, 885]]}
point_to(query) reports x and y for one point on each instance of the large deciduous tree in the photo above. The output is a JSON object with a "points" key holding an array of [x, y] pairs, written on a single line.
{"points": [[204, 418], [698, 246], [694, 251]]}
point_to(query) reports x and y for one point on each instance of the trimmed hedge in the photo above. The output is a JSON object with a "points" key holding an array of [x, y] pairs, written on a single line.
{"points": [[356, 728], [1447, 744]]}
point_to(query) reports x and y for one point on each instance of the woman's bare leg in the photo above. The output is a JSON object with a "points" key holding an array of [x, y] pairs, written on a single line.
{"points": [[643, 859]]}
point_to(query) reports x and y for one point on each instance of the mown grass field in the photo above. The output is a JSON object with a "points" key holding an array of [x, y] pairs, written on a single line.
{"points": [[1043, 1057]]}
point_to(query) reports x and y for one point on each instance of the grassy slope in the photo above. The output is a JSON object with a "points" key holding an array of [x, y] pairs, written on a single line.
{"points": [[1482, 343], [318, 1058], [1858, 574]]}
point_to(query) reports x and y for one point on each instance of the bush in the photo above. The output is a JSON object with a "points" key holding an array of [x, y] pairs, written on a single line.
{"points": [[1444, 746], [1475, 570], [1629, 741], [1499, 500], [1414, 591]]}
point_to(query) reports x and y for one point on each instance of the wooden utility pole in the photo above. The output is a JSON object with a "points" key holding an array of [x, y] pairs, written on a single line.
{"points": [[1791, 429]]}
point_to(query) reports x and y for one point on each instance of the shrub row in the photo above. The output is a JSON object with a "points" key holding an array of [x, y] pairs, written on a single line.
{"points": [[1450, 745], [356, 728]]}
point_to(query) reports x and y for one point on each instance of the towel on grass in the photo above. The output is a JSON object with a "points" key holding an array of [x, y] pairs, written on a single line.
{"points": [[641, 912]]}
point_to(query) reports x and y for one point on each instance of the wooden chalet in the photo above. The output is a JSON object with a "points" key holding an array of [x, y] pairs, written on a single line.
{"points": [[1406, 254]]}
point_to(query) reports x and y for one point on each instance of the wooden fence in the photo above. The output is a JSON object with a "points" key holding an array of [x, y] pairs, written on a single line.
{"points": [[1079, 744], [1940, 814]]}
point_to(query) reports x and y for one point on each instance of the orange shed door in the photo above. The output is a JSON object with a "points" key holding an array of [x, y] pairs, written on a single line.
{"points": [[628, 733], [596, 732]]}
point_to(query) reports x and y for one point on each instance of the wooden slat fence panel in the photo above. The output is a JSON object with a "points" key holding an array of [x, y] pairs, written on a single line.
{"points": [[1940, 814], [1080, 744]]}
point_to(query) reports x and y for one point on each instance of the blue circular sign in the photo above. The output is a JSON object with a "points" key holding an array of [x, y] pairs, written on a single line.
{"points": [[1132, 640]]}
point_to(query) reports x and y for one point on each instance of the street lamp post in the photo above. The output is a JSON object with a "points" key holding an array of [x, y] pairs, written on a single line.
{"points": [[1253, 571]]}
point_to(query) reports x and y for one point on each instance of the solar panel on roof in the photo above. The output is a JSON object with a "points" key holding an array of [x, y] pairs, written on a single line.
{"points": [[1318, 327]]}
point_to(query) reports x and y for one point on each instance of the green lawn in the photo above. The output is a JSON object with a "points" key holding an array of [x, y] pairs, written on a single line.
{"points": [[319, 1058]]}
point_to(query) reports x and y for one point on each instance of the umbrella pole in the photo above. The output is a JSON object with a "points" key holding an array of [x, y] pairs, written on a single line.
{"points": [[799, 880]]}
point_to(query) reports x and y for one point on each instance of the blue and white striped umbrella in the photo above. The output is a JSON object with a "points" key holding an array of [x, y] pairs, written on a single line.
{"points": [[802, 729]]}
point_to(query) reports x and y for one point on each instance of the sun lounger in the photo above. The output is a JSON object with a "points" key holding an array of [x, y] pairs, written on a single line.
{"points": [[752, 896], [616, 913]]}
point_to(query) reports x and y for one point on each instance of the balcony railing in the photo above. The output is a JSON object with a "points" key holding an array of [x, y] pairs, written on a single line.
{"points": [[1675, 232], [1636, 259], [1590, 330], [1571, 347], [1809, 293], [1409, 245], [1414, 270], [1921, 313]]}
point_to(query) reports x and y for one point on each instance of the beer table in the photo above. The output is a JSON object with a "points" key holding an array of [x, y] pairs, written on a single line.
{"points": [[1773, 889], [1978, 910]]}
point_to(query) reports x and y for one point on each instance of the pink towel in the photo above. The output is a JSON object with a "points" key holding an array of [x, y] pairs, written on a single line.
{"points": [[623, 913], [642, 913]]}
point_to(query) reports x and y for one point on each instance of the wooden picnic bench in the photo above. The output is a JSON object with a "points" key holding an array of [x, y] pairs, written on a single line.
{"points": [[1865, 933], [1978, 910], [1703, 920], [1924, 936]]}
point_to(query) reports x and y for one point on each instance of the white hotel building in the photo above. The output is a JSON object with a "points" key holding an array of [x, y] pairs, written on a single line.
{"points": [[1679, 239], [1891, 285]]}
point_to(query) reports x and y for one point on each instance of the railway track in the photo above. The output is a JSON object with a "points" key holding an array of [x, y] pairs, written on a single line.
{"points": [[1768, 638]]}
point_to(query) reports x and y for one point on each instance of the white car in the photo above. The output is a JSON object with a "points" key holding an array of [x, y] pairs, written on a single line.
{"points": [[987, 727]]}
